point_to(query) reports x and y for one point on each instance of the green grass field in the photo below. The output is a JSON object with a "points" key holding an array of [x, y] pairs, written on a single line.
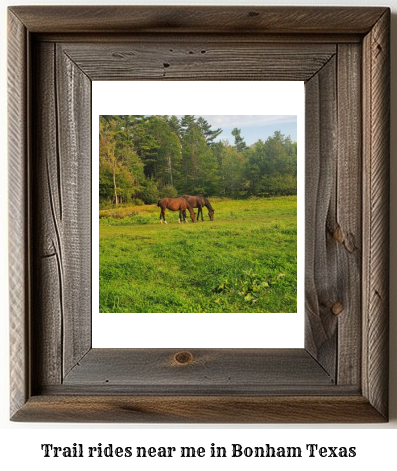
{"points": [[243, 261]]}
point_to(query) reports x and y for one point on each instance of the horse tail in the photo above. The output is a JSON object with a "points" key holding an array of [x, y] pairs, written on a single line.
{"points": [[158, 202]]}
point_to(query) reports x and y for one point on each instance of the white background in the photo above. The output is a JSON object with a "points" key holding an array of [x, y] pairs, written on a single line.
{"points": [[123, 330], [20, 443]]}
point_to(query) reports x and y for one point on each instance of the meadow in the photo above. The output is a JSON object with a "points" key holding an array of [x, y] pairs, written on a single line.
{"points": [[243, 261]]}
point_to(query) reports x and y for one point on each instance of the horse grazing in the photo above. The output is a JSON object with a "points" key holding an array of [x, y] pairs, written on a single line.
{"points": [[199, 201], [175, 204]]}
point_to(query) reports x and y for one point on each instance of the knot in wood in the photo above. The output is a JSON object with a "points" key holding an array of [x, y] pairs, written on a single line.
{"points": [[183, 358], [338, 235], [337, 308]]}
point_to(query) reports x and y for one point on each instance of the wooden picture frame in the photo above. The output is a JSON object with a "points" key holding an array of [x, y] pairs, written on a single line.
{"points": [[342, 54]]}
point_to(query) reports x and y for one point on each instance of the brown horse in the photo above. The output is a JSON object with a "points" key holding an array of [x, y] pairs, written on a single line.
{"points": [[199, 201], [175, 204]]}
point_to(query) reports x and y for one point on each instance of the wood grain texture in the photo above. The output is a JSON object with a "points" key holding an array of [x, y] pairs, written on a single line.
{"points": [[48, 281], [155, 39], [347, 225], [229, 370], [321, 261], [199, 409], [73, 89], [62, 223], [205, 60], [197, 19], [342, 374], [18, 213], [376, 91]]}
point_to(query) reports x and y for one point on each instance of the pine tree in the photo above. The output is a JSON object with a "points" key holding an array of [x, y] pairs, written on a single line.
{"points": [[239, 142]]}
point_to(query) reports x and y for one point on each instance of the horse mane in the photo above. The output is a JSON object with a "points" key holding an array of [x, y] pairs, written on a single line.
{"points": [[207, 204]]}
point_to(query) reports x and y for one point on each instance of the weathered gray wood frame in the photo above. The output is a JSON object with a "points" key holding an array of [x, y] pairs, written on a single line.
{"points": [[342, 54]]}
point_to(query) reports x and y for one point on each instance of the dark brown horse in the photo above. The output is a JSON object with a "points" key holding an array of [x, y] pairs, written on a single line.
{"points": [[175, 204], [199, 201]]}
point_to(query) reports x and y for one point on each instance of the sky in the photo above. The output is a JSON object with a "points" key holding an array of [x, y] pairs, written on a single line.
{"points": [[253, 127]]}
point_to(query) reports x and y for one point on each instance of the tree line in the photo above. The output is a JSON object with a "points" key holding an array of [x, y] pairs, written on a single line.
{"points": [[143, 158]]}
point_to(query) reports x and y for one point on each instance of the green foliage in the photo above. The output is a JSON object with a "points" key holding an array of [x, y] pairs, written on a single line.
{"points": [[153, 156], [168, 191], [150, 192], [232, 166], [120, 169], [278, 184], [272, 166], [239, 142]]}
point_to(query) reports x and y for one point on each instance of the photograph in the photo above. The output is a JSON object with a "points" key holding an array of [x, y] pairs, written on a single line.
{"points": [[197, 213]]}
